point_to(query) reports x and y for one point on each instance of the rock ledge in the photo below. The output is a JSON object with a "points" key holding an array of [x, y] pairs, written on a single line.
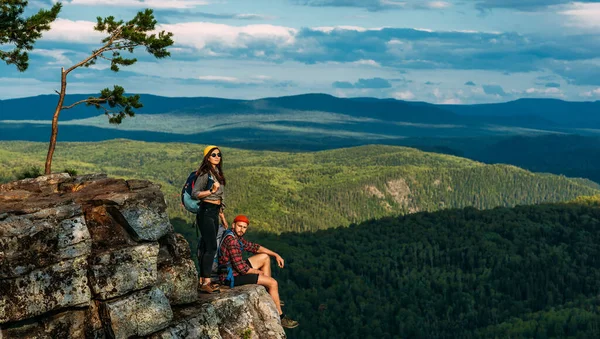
{"points": [[96, 257]]}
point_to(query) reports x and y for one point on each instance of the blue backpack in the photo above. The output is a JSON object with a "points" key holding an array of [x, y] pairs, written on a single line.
{"points": [[227, 266], [187, 201]]}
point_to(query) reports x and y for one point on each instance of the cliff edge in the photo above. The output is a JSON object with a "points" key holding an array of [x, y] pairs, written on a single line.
{"points": [[96, 257]]}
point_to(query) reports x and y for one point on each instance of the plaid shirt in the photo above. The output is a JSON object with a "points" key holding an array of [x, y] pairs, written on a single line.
{"points": [[231, 252]]}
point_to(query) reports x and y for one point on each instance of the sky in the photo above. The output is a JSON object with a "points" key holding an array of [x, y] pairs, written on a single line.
{"points": [[444, 52]]}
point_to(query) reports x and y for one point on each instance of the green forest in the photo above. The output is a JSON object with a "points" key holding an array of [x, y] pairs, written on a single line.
{"points": [[402, 243], [309, 191], [522, 272]]}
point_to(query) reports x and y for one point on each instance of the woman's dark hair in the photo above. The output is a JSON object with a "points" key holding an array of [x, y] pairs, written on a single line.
{"points": [[206, 167]]}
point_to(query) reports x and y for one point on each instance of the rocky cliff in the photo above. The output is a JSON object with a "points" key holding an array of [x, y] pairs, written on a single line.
{"points": [[96, 257]]}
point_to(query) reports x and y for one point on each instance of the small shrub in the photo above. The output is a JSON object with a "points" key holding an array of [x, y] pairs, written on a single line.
{"points": [[72, 172], [246, 334], [29, 172]]}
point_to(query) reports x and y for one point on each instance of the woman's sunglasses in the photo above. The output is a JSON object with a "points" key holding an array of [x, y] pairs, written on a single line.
{"points": [[214, 155]]}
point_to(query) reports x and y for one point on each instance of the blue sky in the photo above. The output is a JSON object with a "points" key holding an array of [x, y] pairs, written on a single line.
{"points": [[452, 51]]}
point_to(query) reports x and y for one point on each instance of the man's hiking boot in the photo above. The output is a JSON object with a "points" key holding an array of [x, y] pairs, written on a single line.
{"points": [[209, 288], [288, 323]]}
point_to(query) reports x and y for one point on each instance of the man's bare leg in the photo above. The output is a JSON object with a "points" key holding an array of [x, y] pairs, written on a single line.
{"points": [[272, 288], [261, 262]]}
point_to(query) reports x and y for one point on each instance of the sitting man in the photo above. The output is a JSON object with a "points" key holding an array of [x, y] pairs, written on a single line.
{"points": [[234, 271]]}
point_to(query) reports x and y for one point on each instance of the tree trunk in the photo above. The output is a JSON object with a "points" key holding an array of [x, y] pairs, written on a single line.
{"points": [[61, 99]]}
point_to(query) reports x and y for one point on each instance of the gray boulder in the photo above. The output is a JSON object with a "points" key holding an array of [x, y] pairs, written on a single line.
{"points": [[51, 288], [115, 273], [233, 313], [138, 314]]}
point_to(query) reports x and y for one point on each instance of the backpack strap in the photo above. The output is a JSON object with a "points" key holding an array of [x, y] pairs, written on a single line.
{"points": [[209, 182]]}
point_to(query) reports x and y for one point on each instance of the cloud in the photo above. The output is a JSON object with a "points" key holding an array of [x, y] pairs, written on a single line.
{"points": [[405, 95], [401, 80], [404, 48], [179, 14], [446, 96], [470, 83], [372, 83], [18, 87], [217, 78], [429, 83], [263, 41], [451, 101], [523, 5], [57, 54], [581, 14], [494, 90], [552, 85], [543, 92], [236, 82], [285, 84], [549, 77], [342, 84], [370, 63], [140, 3], [400, 48], [390, 48], [367, 63], [594, 92], [78, 31], [363, 83], [577, 72], [377, 5], [329, 29]]}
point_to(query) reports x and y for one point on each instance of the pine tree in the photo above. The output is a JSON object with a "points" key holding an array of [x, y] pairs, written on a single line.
{"points": [[21, 32], [121, 37]]}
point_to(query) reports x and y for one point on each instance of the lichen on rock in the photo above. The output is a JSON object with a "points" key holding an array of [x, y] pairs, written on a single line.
{"points": [[97, 257], [115, 273], [138, 314]]}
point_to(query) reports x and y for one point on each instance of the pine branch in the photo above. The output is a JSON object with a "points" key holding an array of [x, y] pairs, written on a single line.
{"points": [[88, 101], [94, 55], [123, 47], [21, 32]]}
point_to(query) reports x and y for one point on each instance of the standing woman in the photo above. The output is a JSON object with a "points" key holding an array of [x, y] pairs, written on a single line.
{"points": [[208, 188]]}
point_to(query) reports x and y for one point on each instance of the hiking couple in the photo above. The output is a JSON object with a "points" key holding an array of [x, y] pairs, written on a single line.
{"points": [[208, 189]]}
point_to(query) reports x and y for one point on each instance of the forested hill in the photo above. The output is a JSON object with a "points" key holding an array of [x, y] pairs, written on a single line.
{"points": [[314, 190], [523, 272], [300, 122]]}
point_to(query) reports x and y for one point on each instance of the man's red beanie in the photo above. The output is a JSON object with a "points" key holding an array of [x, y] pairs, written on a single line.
{"points": [[242, 218]]}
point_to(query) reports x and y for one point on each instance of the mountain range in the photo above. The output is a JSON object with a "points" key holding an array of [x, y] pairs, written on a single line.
{"points": [[312, 114], [545, 135]]}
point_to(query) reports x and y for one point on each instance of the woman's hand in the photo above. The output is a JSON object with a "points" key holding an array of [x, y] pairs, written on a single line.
{"points": [[223, 219], [215, 187]]}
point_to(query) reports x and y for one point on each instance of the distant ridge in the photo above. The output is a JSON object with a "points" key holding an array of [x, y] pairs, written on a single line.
{"points": [[312, 121], [525, 110], [566, 113]]}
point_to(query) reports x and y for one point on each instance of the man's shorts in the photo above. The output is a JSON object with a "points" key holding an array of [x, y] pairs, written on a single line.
{"points": [[245, 279]]}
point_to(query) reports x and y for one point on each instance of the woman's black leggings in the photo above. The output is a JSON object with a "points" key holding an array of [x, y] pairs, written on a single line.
{"points": [[208, 223]]}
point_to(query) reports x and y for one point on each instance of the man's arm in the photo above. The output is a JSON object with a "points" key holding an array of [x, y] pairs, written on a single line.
{"points": [[256, 248], [280, 261]]}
